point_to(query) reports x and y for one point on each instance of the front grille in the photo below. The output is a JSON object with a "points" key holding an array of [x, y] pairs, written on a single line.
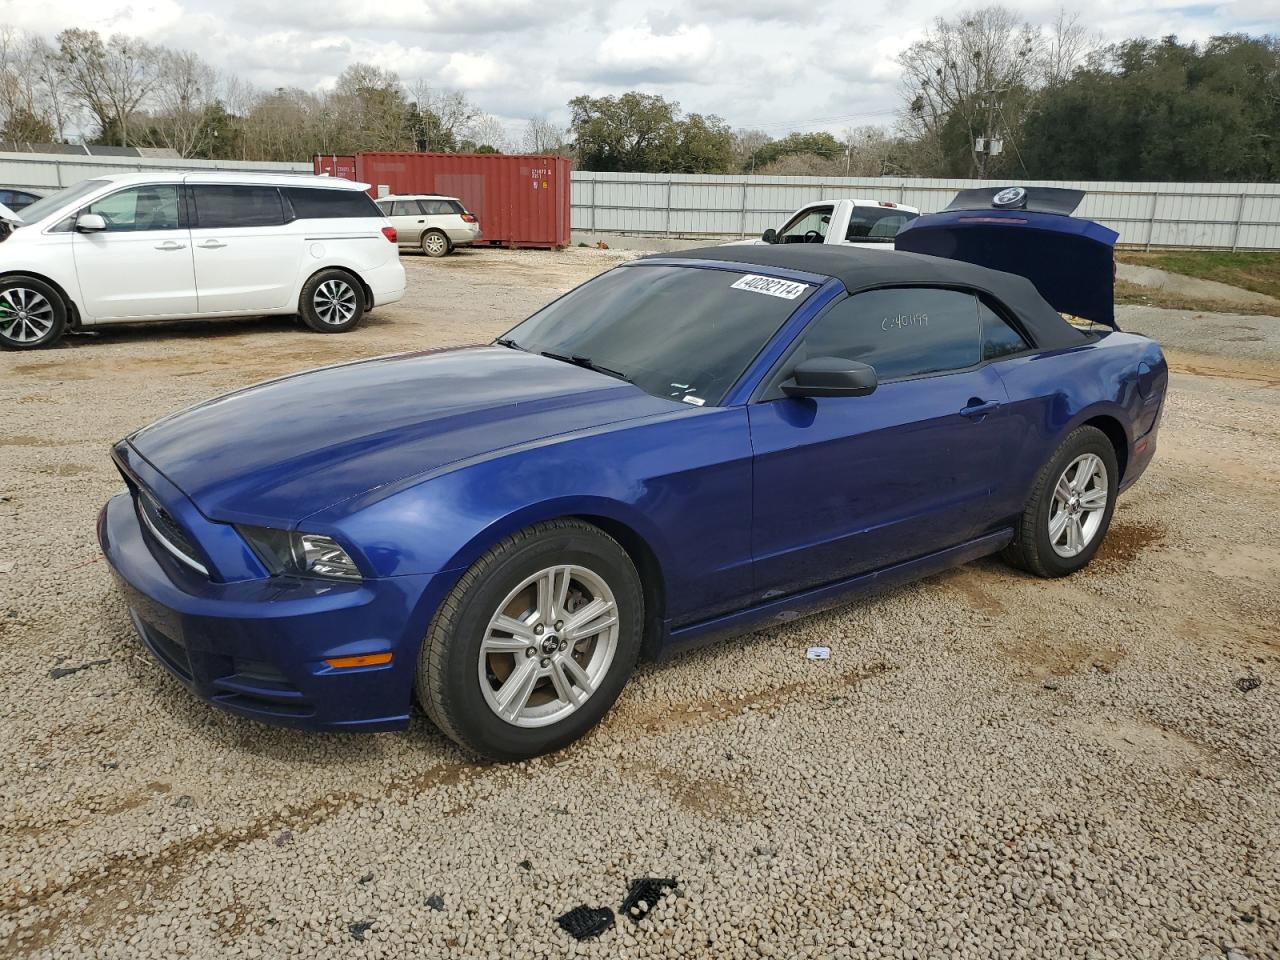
{"points": [[167, 531]]}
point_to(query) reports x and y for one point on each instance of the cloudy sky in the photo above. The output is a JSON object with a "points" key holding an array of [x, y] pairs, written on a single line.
{"points": [[772, 64]]}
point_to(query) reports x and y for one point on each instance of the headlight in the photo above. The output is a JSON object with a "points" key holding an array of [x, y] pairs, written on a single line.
{"points": [[300, 554]]}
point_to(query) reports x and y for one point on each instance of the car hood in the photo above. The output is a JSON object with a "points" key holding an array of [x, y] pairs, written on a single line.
{"points": [[279, 451]]}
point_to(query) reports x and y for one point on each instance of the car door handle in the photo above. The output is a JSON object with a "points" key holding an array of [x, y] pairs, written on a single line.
{"points": [[977, 409], [212, 245], [422, 221], [171, 245]]}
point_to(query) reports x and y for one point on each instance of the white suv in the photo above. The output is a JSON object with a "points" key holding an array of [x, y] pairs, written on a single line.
{"points": [[430, 222], [177, 246]]}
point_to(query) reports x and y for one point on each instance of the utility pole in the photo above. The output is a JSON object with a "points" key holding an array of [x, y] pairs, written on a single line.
{"points": [[987, 146]]}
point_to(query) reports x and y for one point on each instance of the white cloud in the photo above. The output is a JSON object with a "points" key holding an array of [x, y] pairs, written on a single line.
{"points": [[756, 63], [639, 53]]}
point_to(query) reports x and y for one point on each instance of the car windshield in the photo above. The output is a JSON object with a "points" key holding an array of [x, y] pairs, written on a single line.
{"points": [[684, 333], [56, 201]]}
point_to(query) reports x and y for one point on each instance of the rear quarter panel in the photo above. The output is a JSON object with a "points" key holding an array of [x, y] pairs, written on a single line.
{"points": [[1051, 394]]}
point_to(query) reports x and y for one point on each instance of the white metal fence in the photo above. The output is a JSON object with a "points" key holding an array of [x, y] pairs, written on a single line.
{"points": [[1231, 216], [45, 172]]}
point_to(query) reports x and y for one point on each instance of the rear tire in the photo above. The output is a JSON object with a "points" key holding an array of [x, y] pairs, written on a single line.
{"points": [[32, 313], [435, 244], [534, 643], [332, 302], [1070, 509]]}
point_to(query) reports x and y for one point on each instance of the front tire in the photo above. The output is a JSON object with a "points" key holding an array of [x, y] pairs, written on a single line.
{"points": [[534, 643], [435, 244], [32, 314], [1070, 509], [332, 302]]}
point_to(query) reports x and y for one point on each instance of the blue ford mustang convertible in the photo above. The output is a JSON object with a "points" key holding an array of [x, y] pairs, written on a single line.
{"points": [[686, 447]]}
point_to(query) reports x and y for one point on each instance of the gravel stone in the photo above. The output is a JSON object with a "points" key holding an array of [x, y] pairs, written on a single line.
{"points": [[989, 766]]}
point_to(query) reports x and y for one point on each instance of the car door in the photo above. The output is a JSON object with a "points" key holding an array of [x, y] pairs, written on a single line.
{"points": [[247, 257], [141, 265], [846, 485], [410, 221], [810, 225]]}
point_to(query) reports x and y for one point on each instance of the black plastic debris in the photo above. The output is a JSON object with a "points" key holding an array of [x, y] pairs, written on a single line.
{"points": [[435, 902], [644, 893], [525, 865], [367, 878], [58, 673], [1245, 684], [583, 922], [359, 929]]}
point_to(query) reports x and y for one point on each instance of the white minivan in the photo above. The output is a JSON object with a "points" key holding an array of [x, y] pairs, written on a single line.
{"points": [[177, 246]]}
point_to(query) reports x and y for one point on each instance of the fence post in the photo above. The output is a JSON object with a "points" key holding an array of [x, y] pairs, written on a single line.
{"points": [[666, 230], [1151, 221], [742, 222], [1235, 237], [593, 204]]}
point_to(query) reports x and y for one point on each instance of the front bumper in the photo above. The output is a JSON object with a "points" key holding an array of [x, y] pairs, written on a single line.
{"points": [[257, 647]]}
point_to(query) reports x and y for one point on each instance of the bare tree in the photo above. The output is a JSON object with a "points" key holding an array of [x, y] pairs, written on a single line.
{"points": [[965, 78], [185, 91], [441, 116], [543, 136], [1068, 44], [110, 79]]}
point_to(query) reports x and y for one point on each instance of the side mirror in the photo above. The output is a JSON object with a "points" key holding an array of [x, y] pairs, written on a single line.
{"points": [[770, 236], [90, 223], [831, 377]]}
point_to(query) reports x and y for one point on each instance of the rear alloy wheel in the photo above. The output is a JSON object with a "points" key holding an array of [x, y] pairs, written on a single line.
{"points": [[534, 643], [32, 314], [435, 243], [1070, 509], [331, 302]]}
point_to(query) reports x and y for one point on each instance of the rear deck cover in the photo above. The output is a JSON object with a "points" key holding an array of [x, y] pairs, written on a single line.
{"points": [[1026, 231]]}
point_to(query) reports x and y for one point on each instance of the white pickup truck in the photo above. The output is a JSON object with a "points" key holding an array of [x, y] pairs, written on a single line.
{"points": [[854, 223]]}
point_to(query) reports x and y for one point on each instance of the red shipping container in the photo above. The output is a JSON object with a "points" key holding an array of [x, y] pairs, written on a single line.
{"points": [[520, 200], [334, 166]]}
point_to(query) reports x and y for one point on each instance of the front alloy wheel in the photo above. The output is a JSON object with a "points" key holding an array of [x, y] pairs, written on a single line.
{"points": [[31, 313], [548, 646], [534, 643]]}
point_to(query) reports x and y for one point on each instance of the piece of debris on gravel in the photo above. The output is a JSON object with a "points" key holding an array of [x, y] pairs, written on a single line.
{"points": [[644, 894], [1245, 684], [58, 673], [435, 902], [360, 929], [583, 922]]}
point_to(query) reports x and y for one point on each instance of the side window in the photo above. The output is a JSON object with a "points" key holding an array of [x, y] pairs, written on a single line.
{"points": [[150, 207], [331, 203], [809, 227], [436, 207], [406, 208], [236, 206], [999, 339], [903, 332], [453, 206]]}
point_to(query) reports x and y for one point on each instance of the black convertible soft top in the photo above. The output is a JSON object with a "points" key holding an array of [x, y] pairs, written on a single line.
{"points": [[862, 270]]}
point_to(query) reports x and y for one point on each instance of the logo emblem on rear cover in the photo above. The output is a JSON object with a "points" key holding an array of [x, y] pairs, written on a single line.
{"points": [[1009, 197]]}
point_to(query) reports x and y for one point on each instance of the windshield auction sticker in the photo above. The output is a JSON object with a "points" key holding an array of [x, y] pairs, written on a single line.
{"points": [[786, 289]]}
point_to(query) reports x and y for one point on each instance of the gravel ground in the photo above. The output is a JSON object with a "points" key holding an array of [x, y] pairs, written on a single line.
{"points": [[988, 766]]}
